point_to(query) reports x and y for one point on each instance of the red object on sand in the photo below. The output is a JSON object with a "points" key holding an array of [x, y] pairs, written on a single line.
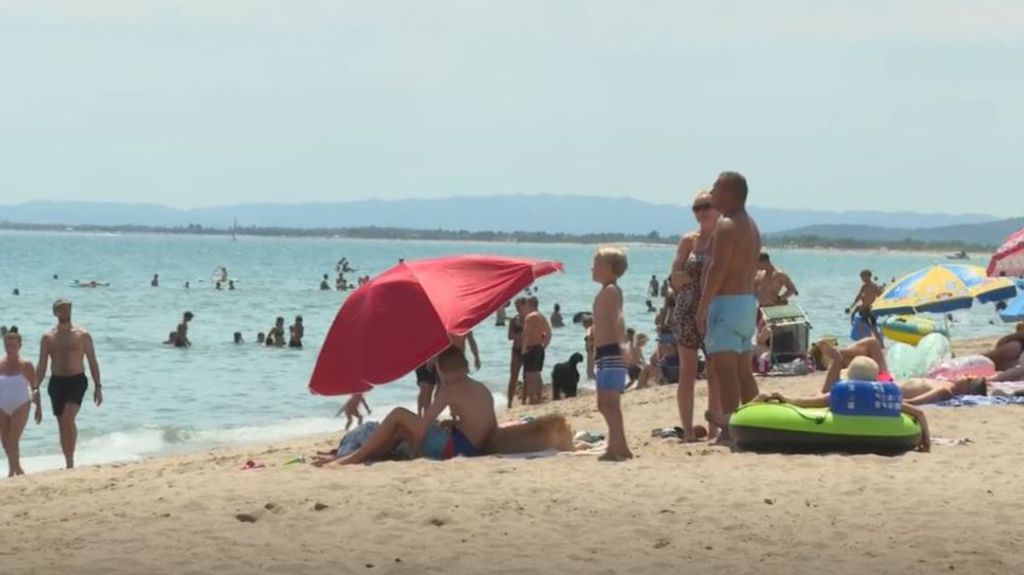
{"points": [[403, 317], [1008, 260]]}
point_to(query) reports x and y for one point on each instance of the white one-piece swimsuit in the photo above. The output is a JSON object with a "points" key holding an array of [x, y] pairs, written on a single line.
{"points": [[14, 393]]}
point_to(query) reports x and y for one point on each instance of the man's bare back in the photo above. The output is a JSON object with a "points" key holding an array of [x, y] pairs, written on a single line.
{"points": [[472, 405]]}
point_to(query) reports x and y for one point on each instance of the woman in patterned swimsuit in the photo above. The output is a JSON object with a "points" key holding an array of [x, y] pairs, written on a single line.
{"points": [[687, 272]]}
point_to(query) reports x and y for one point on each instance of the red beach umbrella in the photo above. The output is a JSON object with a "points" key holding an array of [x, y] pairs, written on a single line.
{"points": [[1009, 258], [403, 317]]}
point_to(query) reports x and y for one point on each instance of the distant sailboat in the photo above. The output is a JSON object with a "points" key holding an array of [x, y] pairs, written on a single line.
{"points": [[234, 228]]}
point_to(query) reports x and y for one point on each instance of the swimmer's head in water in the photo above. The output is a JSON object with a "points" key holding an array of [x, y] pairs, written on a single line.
{"points": [[238, 337], [261, 337], [452, 361]]}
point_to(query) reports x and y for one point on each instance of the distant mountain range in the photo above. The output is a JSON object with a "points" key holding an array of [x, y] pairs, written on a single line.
{"points": [[529, 213], [984, 234]]}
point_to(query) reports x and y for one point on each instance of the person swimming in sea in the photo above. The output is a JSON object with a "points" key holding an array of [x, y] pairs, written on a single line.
{"points": [[181, 335], [275, 337], [296, 332]]}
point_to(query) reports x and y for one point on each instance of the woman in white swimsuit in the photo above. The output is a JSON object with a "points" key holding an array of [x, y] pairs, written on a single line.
{"points": [[18, 388]]}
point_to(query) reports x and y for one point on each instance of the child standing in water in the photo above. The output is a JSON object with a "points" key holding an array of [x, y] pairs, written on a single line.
{"points": [[351, 410], [609, 334]]}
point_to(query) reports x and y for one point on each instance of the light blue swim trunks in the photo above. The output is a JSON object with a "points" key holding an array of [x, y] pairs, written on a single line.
{"points": [[731, 322]]}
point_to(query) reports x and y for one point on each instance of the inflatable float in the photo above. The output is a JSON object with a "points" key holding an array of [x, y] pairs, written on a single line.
{"points": [[89, 284], [906, 361], [909, 329], [784, 428]]}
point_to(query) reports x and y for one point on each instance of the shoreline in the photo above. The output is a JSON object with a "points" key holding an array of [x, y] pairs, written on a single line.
{"points": [[961, 347]]}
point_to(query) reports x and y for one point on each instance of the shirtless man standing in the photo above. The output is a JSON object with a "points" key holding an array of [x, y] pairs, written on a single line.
{"points": [[68, 345], [536, 337], [469, 401], [770, 281], [728, 308]]}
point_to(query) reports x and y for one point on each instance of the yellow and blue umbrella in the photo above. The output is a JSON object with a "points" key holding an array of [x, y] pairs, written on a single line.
{"points": [[942, 288], [1014, 310]]}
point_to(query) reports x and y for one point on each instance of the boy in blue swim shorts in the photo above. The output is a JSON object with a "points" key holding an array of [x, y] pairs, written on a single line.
{"points": [[609, 334]]}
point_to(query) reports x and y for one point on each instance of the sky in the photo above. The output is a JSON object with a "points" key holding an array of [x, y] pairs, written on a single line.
{"points": [[830, 104]]}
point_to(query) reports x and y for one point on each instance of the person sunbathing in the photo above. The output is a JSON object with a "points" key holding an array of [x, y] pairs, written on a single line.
{"points": [[470, 403], [841, 358], [1007, 352], [866, 369]]}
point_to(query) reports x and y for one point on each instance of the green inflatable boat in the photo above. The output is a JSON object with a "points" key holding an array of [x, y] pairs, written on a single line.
{"points": [[783, 428]]}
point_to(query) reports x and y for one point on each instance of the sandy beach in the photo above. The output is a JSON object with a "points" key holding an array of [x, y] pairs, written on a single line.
{"points": [[675, 507]]}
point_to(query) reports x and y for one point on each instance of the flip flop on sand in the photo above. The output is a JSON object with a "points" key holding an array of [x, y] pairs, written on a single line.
{"points": [[252, 465]]}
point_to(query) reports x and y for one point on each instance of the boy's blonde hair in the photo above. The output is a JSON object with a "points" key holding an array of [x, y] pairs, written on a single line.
{"points": [[615, 257]]}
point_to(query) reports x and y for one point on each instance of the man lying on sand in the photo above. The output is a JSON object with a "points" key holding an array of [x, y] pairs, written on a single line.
{"points": [[470, 402]]}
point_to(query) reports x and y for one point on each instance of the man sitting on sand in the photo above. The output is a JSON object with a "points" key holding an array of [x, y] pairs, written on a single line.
{"points": [[470, 403], [914, 392]]}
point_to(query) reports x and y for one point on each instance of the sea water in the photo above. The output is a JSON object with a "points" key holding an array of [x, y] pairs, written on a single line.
{"points": [[159, 399]]}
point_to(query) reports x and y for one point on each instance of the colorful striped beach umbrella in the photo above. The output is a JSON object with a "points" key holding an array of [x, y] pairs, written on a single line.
{"points": [[1008, 260], [942, 288]]}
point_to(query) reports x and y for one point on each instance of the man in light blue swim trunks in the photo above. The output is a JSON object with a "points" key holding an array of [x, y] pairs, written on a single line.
{"points": [[728, 306]]}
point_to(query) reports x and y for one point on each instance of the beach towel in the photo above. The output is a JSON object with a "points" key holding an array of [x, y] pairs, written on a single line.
{"points": [[355, 439], [975, 400]]}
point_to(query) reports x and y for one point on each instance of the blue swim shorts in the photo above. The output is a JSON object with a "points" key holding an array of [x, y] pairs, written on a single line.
{"points": [[731, 322], [611, 374]]}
